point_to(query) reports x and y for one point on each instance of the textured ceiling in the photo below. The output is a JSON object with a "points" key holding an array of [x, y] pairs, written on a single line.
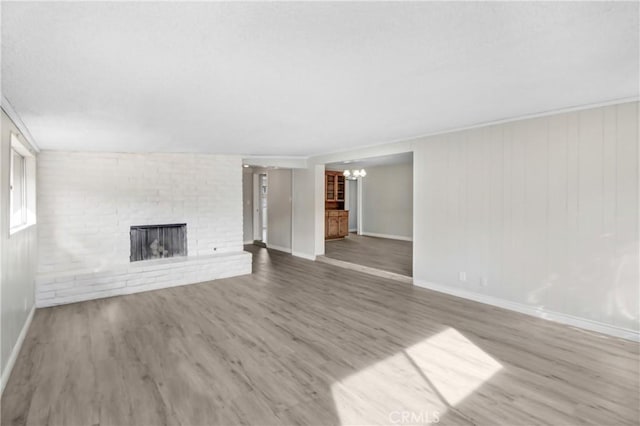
{"points": [[302, 78]]}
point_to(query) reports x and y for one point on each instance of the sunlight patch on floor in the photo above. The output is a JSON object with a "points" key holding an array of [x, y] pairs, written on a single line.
{"points": [[453, 364], [416, 385]]}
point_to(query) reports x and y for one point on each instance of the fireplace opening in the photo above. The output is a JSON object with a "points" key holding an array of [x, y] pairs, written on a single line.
{"points": [[158, 241]]}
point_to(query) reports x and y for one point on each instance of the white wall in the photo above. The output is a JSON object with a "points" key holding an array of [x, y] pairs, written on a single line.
{"points": [[18, 255], [387, 201], [308, 212], [545, 209], [89, 201], [247, 205]]}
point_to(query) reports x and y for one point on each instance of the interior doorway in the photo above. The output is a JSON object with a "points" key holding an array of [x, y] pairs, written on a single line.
{"points": [[260, 185], [378, 206]]}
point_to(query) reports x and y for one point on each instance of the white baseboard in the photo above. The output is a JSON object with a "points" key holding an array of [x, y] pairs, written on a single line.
{"points": [[391, 237], [16, 350], [247, 242], [566, 319], [353, 230], [303, 255], [279, 248]]}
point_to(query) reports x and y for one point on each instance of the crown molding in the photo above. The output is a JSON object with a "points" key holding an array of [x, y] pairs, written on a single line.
{"points": [[398, 146], [266, 161], [15, 117]]}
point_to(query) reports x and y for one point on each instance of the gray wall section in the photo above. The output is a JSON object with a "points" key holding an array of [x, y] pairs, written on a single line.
{"points": [[247, 205], [18, 254], [353, 204], [279, 209], [387, 201]]}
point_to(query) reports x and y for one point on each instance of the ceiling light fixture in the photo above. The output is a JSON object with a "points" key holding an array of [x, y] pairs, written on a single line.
{"points": [[354, 174]]}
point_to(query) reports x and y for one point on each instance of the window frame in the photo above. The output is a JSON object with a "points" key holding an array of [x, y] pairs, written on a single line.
{"points": [[19, 150]]}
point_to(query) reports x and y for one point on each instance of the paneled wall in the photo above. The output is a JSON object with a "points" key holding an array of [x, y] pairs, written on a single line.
{"points": [[18, 256], [540, 212]]}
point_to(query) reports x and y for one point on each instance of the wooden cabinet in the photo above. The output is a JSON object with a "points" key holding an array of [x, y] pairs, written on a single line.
{"points": [[343, 224], [334, 190], [336, 223]]}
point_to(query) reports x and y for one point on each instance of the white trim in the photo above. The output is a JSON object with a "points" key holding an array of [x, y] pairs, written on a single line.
{"points": [[537, 312], [405, 144], [303, 255], [566, 110], [279, 248], [16, 350], [391, 237], [293, 218], [13, 115], [255, 206], [353, 229], [359, 208], [268, 161], [247, 242]]}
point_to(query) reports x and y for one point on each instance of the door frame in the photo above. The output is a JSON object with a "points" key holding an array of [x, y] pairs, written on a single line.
{"points": [[359, 185], [257, 212]]}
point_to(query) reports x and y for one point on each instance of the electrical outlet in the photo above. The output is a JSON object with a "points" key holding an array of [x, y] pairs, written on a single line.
{"points": [[463, 276], [484, 281]]}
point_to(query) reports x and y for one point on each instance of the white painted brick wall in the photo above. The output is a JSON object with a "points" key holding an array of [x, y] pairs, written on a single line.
{"points": [[55, 289], [88, 201]]}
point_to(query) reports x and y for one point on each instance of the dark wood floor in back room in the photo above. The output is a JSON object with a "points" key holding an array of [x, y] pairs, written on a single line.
{"points": [[382, 253], [301, 342]]}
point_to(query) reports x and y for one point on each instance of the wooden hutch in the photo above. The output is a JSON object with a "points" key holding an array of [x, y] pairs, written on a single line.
{"points": [[336, 218]]}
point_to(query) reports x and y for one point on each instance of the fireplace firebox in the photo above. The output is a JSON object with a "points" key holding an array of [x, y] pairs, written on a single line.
{"points": [[158, 241]]}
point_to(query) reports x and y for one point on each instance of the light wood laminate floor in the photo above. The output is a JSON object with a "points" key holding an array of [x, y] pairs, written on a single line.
{"points": [[381, 253], [301, 342]]}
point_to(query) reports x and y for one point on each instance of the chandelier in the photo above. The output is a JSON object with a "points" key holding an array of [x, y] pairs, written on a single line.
{"points": [[354, 174]]}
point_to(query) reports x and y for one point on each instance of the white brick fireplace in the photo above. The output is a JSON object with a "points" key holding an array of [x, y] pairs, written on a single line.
{"points": [[88, 202]]}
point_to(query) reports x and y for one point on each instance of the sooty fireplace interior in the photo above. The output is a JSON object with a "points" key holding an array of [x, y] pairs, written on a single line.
{"points": [[158, 241]]}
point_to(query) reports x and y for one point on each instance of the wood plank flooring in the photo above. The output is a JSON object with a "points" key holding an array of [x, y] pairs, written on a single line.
{"points": [[381, 253], [301, 342]]}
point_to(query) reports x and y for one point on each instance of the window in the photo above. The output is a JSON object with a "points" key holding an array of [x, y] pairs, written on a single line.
{"points": [[21, 186], [18, 182]]}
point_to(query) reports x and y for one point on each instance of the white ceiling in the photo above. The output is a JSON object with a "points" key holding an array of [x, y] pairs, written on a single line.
{"points": [[302, 78]]}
